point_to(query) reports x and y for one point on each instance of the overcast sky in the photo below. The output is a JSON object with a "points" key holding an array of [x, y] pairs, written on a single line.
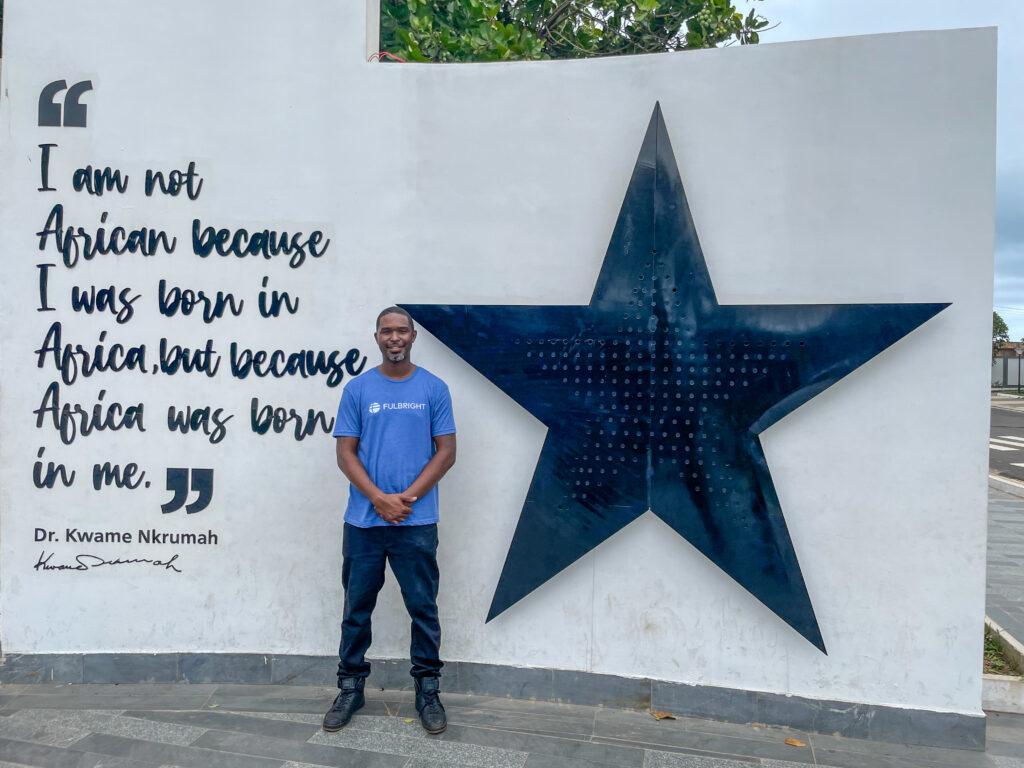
{"points": [[806, 19]]}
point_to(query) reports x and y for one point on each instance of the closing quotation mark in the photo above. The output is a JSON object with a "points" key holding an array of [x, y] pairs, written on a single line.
{"points": [[74, 112], [177, 481]]}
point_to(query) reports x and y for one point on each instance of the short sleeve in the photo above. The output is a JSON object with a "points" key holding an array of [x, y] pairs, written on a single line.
{"points": [[349, 420], [442, 420]]}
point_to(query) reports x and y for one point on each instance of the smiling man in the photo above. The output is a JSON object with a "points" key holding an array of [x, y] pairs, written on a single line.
{"points": [[395, 440]]}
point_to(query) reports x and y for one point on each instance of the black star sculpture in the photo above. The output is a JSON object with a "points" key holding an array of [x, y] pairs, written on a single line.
{"points": [[654, 396]]}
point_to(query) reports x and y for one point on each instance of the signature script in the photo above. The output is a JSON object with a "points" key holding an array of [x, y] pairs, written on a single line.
{"points": [[88, 562]]}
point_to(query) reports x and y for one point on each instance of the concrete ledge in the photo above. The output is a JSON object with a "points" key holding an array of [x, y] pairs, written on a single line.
{"points": [[1004, 693], [865, 721], [1006, 484]]}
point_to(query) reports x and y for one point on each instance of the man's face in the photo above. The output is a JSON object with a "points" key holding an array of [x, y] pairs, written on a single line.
{"points": [[395, 336]]}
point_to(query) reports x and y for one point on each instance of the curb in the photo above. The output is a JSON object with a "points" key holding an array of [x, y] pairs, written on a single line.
{"points": [[1007, 485], [1004, 693]]}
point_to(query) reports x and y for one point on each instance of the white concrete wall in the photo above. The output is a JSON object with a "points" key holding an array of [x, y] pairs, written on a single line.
{"points": [[849, 170]]}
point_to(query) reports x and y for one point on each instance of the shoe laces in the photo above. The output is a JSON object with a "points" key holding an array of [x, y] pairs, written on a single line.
{"points": [[342, 698], [431, 699]]}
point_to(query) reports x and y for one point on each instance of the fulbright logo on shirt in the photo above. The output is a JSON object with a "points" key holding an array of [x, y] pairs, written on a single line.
{"points": [[377, 407]]}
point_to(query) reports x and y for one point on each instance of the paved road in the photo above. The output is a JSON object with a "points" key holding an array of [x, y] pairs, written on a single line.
{"points": [[1006, 437]]}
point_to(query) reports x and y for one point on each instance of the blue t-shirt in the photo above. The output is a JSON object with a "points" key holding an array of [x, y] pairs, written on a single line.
{"points": [[395, 422]]}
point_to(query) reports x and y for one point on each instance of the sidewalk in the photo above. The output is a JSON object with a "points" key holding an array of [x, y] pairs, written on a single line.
{"points": [[1004, 600], [269, 726], [272, 726]]}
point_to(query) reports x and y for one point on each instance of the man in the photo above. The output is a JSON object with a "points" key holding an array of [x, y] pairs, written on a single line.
{"points": [[395, 441]]}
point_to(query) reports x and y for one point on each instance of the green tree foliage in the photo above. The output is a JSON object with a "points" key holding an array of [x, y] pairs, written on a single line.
{"points": [[1000, 333], [511, 30]]}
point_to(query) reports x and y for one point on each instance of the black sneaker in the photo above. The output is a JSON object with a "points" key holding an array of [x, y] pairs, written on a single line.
{"points": [[349, 699], [428, 704]]}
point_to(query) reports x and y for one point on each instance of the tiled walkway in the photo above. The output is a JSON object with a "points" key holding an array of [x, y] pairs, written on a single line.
{"points": [[264, 726], [269, 726], [1004, 601]]}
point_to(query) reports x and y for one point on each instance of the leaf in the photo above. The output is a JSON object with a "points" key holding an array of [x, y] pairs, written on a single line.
{"points": [[795, 743], [663, 716], [408, 719]]}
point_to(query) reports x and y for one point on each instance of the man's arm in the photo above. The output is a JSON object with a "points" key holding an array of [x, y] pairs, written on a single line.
{"points": [[390, 507], [439, 464]]}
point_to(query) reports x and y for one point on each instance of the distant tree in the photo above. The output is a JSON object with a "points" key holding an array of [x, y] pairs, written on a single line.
{"points": [[1000, 333], [509, 30]]}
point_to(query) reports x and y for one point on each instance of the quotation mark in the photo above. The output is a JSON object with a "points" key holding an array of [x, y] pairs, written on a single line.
{"points": [[74, 112], [177, 481]]}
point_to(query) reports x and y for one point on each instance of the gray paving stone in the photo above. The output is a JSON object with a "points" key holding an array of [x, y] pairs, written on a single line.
{"points": [[711, 745], [1006, 748], [1007, 762], [277, 691], [122, 701], [607, 719], [870, 750], [728, 704], [23, 753], [168, 754], [397, 726], [227, 721], [656, 759], [293, 717], [551, 761], [417, 746], [527, 706], [521, 721], [27, 725], [313, 706], [119, 725], [392, 694], [552, 746], [317, 754], [1005, 720], [646, 730], [1005, 574], [851, 760]]}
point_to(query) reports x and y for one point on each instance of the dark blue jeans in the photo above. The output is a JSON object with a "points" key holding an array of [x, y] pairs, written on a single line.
{"points": [[412, 552]]}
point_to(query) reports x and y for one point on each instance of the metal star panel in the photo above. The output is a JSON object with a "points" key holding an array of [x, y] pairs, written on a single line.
{"points": [[654, 396]]}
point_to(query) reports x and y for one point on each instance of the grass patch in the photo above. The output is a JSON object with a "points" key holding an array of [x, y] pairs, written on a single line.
{"points": [[1008, 391], [996, 661]]}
